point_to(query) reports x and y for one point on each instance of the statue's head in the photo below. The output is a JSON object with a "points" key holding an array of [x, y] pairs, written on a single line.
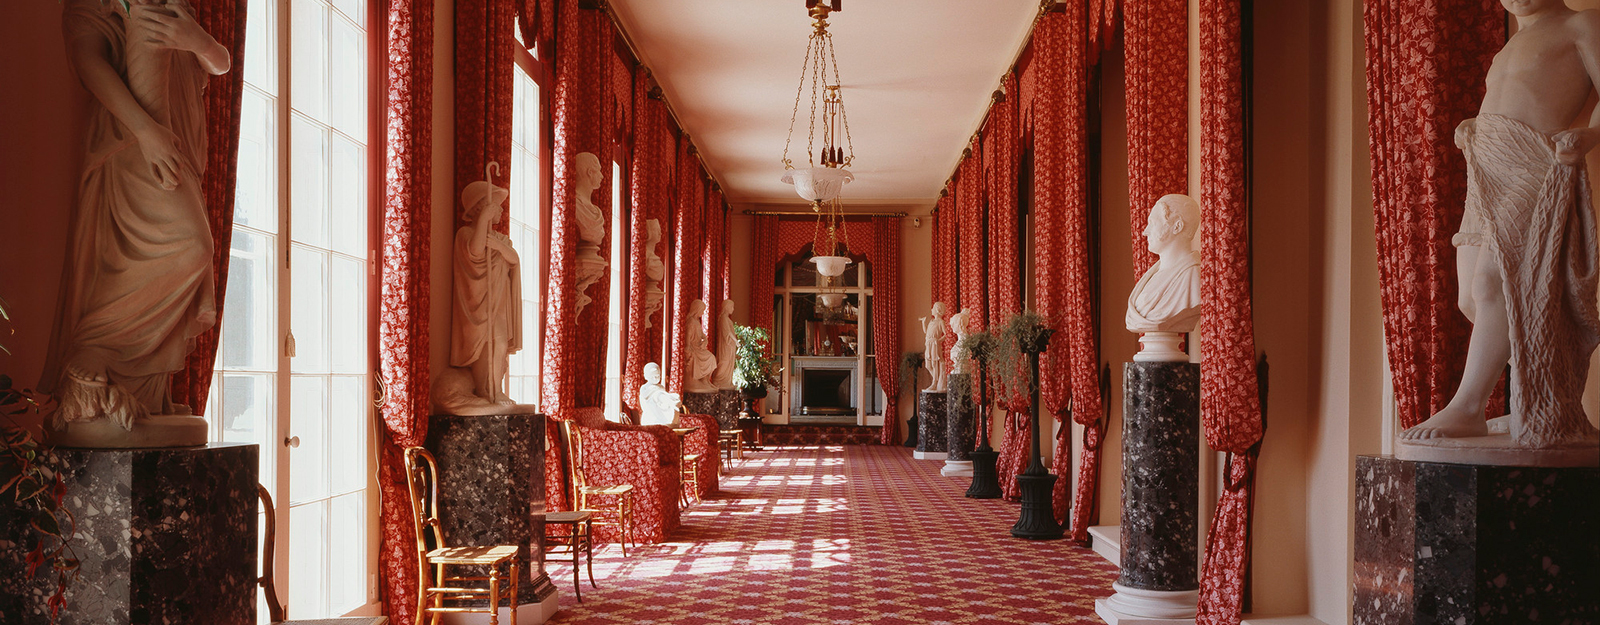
{"points": [[696, 308], [1173, 222], [1524, 8], [590, 175], [727, 307], [938, 309], [652, 373], [480, 195]]}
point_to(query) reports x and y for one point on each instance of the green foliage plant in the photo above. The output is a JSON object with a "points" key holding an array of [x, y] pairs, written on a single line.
{"points": [[754, 365], [910, 365]]}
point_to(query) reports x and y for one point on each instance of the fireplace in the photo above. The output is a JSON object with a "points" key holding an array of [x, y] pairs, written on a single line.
{"points": [[823, 389]]}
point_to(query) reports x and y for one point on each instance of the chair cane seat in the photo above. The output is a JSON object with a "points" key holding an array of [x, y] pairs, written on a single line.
{"points": [[472, 555]]}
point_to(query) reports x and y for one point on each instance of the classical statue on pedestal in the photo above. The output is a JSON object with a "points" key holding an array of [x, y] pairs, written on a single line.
{"points": [[654, 271], [656, 405], [727, 347], [1526, 255], [933, 349], [486, 303], [1165, 303], [960, 324], [701, 363], [138, 284], [589, 265]]}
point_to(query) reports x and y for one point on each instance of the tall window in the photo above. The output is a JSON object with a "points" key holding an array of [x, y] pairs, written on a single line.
{"points": [[618, 314], [527, 224], [295, 355]]}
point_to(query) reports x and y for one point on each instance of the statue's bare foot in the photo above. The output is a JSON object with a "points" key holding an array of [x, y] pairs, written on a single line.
{"points": [[87, 375], [1448, 423]]}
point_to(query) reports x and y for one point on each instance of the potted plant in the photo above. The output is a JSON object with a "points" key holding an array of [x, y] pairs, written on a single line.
{"points": [[755, 368]]}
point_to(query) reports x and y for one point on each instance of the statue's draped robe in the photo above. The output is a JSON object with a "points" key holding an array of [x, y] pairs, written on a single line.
{"points": [[138, 284], [702, 363], [486, 316], [1165, 299], [1533, 214]]}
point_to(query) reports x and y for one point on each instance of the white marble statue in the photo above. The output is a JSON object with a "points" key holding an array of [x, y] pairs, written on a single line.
{"points": [[589, 265], [933, 349], [727, 349], [961, 326], [1526, 256], [656, 405], [486, 301], [138, 284], [701, 363], [654, 271], [1165, 303]]}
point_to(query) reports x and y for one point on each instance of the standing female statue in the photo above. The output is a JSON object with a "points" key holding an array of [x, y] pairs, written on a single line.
{"points": [[933, 353], [486, 307], [138, 285], [701, 362]]}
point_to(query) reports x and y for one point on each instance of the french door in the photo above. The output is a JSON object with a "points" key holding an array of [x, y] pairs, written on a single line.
{"points": [[293, 370]]}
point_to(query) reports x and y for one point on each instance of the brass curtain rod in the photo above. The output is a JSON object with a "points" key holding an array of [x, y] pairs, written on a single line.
{"points": [[811, 214], [1045, 6]]}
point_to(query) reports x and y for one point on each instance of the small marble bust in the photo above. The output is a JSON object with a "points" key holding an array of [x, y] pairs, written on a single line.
{"points": [[933, 349], [960, 324], [1167, 298], [654, 271], [656, 405], [701, 363], [727, 348], [589, 266]]}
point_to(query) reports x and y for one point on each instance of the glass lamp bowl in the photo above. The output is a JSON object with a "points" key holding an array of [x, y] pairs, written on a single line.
{"points": [[818, 184], [831, 300], [831, 266]]}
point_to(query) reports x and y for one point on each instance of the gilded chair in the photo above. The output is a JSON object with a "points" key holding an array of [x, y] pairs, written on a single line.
{"points": [[571, 533], [434, 554], [275, 610], [646, 457], [702, 443], [610, 504]]}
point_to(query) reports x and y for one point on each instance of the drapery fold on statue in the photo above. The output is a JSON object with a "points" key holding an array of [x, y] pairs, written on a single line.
{"points": [[1533, 214]]}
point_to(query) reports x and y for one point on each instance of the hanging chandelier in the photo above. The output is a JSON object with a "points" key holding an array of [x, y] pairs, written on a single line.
{"points": [[821, 177]]}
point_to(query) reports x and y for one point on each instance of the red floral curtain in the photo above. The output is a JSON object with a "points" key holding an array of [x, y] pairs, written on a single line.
{"points": [[485, 46], [971, 259], [944, 261], [225, 21], [574, 368], [1426, 61], [714, 264], [687, 249], [1002, 159], [1230, 404], [885, 258], [1156, 40], [403, 290], [651, 189], [764, 255]]}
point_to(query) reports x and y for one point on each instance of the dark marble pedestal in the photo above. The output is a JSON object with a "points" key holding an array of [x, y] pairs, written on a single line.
{"points": [[491, 489], [1451, 543], [960, 436], [164, 536], [1160, 492], [932, 410], [724, 405]]}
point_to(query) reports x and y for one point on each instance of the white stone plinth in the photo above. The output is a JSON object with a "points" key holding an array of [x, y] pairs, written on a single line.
{"points": [[929, 455], [1134, 606], [956, 468], [1497, 450], [1161, 347]]}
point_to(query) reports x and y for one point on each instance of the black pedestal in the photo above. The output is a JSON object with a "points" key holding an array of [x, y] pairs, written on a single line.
{"points": [[724, 405], [960, 437], [911, 431], [164, 536], [985, 480], [1450, 543], [1160, 479], [932, 410], [491, 489], [1038, 520]]}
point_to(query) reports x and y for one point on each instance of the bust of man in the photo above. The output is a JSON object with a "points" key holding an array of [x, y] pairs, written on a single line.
{"points": [[1167, 298], [591, 220], [656, 405]]}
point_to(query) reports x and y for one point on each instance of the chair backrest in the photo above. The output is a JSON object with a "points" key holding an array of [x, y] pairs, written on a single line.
{"points": [[422, 481], [570, 431], [274, 609]]}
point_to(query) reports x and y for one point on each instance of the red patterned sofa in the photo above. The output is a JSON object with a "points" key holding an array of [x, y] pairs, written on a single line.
{"points": [[647, 456], [704, 442]]}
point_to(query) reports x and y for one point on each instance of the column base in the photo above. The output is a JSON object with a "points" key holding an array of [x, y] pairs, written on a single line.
{"points": [[1148, 607], [956, 468], [928, 455]]}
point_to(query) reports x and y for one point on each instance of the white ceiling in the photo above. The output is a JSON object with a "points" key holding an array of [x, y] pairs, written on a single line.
{"points": [[917, 77]]}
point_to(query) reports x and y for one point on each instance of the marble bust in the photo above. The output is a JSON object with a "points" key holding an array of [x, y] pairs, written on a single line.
{"points": [[727, 348], [960, 325], [656, 405], [654, 271], [933, 349], [486, 297], [138, 284], [701, 362], [1165, 303], [1526, 250], [588, 264]]}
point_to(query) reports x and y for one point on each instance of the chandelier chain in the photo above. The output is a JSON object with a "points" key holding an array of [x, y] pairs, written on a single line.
{"points": [[850, 147], [805, 63]]}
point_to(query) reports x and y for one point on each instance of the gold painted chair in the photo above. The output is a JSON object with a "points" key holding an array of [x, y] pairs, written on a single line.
{"points": [[576, 535], [690, 490], [422, 480], [611, 505], [275, 610]]}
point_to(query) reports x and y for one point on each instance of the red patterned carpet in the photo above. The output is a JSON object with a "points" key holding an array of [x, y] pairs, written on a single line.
{"points": [[838, 535]]}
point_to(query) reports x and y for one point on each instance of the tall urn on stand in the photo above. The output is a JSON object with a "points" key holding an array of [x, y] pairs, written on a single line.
{"points": [[985, 481], [1038, 521]]}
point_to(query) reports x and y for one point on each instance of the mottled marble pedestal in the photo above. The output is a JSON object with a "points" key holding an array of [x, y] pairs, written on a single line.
{"points": [[164, 536], [491, 492], [1160, 496], [1475, 545], [932, 410], [724, 405], [960, 436]]}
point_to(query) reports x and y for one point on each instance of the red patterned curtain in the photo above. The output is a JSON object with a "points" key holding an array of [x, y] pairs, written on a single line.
{"points": [[971, 259], [485, 48], [1230, 404], [651, 189], [764, 255], [1003, 156], [225, 21], [1102, 27], [574, 369], [1426, 61], [687, 248], [403, 298], [1156, 40], [944, 261], [885, 258], [714, 264]]}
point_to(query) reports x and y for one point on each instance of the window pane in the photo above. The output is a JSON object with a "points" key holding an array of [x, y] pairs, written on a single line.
{"points": [[308, 576], [349, 78], [309, 310], [347, 470], [245, 404], [356, 10], [256, 196], [261, 46], [347, 560], [309, 68], [308, 463], [348, 208], [249, 318], [309, 186], [348, 342]]}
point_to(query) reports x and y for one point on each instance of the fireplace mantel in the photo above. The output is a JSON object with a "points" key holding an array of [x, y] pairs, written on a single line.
{"points": [[799, 365]]}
